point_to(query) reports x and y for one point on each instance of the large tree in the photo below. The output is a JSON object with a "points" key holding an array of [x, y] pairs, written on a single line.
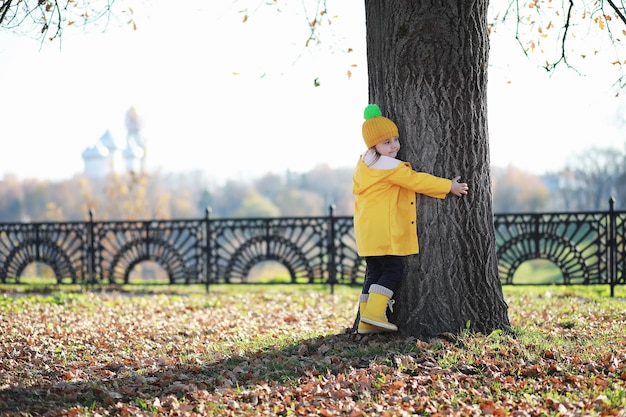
{"points": [[427, 69]]}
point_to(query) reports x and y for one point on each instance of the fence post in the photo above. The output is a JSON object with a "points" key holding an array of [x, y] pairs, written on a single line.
{"points": [[91, 250], [207, 243], [612, 244], [332, 268]]}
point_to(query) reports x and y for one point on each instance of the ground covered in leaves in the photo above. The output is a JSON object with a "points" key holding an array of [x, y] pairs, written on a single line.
{"points": [[239, 351]]}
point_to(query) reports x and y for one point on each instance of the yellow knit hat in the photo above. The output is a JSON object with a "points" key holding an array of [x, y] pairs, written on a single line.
{"points": [[376, 128]]}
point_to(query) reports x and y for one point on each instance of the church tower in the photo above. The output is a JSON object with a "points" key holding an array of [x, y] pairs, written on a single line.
{"points": [[135, 152], [107, 157]]}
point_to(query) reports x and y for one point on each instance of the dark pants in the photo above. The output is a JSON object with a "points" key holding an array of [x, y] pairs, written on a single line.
{"points": [[387, 271]]}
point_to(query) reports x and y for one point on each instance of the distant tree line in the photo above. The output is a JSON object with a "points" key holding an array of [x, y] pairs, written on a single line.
{"points": [[590, 179], [587, 184], [175, 195]]}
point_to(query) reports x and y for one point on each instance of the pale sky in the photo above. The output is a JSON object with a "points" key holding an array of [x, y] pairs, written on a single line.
{"points": [[237, 100]]}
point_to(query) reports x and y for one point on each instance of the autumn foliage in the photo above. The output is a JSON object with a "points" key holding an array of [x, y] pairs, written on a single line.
{"points": [[248, 351]]}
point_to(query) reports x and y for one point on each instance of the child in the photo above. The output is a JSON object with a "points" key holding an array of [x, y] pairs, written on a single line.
{"points": [[385, 216]]}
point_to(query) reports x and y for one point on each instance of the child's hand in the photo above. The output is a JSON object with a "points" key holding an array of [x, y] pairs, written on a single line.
{"points": [[458, 188]]}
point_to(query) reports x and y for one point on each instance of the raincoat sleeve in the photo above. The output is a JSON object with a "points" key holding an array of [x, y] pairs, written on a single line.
{"points": [[420, 182]]}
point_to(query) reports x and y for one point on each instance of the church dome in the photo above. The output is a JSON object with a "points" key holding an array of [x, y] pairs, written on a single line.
{"points": [[96, 151], [109, 141]]}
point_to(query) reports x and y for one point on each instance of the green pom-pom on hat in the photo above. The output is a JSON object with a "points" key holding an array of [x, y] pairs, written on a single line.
{"points": [[372, 111]]}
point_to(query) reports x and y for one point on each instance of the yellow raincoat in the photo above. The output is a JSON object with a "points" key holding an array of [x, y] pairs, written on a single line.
{"points": [[384, 210]]}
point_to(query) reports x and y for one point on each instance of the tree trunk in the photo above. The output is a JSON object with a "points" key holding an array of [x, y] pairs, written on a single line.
{"points": [[427, 65]]}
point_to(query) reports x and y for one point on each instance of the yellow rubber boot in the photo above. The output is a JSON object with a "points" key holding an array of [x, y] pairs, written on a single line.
{"points": [[365, 328], [376, 309]]}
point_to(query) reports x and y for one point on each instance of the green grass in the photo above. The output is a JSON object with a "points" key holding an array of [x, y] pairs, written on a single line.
{"points": [[599, 291], [537, 272]]}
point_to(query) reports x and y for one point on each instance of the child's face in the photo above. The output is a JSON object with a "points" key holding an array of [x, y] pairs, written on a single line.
{"points": [[389, 147]]}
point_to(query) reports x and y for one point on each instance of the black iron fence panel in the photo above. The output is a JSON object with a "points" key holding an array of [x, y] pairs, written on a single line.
{"points": [[577, 243], [349, 267], [587, 247], [176, 245], [299, 244], [62, 246]]}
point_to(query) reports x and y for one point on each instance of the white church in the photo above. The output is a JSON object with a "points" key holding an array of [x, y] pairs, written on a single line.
{"points": [[108, 156]]}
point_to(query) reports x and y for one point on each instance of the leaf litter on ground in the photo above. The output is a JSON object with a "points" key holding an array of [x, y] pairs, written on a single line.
{"points": [[283, 351]]}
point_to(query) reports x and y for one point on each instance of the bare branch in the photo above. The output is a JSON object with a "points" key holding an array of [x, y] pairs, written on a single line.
{"points": [[617, 11], [46, 19], [621, 80], [517, 28], [566, 26], [4, 9]]}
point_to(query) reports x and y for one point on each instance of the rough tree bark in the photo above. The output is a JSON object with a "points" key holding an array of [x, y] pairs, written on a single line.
{"points": [[427, 63]]}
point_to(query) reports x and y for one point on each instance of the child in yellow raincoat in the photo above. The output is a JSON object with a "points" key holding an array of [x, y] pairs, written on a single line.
{"points": [[385, 216]]}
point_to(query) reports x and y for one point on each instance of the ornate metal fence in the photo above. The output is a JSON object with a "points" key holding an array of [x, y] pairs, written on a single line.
{"points": [[587, 247]]}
